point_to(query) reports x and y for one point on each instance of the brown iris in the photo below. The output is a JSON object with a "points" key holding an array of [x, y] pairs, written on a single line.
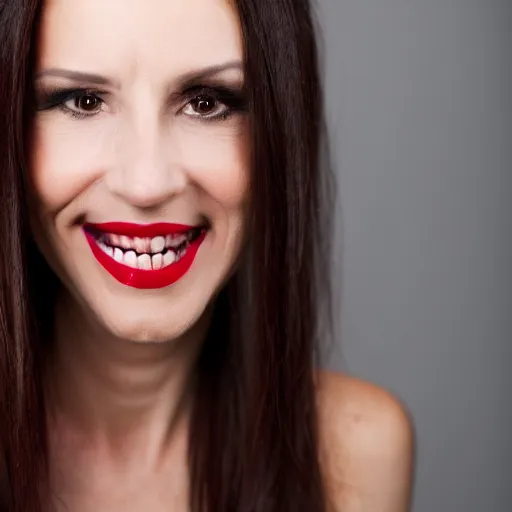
{"points": [[204, 104], [87, 102]]}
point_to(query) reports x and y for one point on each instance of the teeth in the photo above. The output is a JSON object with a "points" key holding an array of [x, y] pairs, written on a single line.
{"points": [[113, 239], [146, 253], [175, 240], [157, 244], [169, 257], [144, 262], [118, 255], [146, 245], [125, 242], [157, 261], [130, 259], [107, 249], [142, 244]]}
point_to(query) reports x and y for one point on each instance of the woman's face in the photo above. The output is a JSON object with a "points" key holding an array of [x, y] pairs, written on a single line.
{"points": [[139, 167]]}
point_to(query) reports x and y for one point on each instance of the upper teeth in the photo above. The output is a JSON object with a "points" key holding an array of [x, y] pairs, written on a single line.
{"points": [[142, 261], [157, 244], [146, 245]]}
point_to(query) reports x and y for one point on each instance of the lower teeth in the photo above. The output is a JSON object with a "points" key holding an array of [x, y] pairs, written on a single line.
{"points": [[144, 261]]}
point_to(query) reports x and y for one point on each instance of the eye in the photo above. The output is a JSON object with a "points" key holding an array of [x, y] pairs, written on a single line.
{"points": [[86, 103], [204, 105]]}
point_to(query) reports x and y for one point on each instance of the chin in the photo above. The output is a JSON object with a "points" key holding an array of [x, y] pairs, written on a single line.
{"points": [[143, 315], [150, 319], [145, 333]]}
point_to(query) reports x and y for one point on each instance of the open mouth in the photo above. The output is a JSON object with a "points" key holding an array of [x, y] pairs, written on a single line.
{"points": [[145, 253], [145, 256]]}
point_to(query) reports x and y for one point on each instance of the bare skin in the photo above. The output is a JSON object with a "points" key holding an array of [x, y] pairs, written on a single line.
{"points": [[366, 446], [121, 380], [366, 452], [118, 421]]}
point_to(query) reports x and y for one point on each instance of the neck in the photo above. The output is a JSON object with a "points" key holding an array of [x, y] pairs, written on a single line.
{"points": [[116, 393]]}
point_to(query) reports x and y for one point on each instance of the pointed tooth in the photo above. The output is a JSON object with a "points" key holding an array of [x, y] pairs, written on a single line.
{"points": [[144, 262], [118, 255], [169, 257], [157, 244], [168, 241], [130, 259], [157, 261]]}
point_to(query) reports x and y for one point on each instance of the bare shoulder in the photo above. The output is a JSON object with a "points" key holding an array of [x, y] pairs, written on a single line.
{"points": [[366, 445]]}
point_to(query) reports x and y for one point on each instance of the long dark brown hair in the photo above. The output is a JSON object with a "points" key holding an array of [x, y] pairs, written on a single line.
{"points": [[253, 443]]}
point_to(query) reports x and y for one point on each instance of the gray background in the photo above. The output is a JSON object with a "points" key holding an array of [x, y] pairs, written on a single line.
{"points": [[419, 107]]}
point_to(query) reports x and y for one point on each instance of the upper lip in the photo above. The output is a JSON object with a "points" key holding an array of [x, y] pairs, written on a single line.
{"points": [[141, 230]]}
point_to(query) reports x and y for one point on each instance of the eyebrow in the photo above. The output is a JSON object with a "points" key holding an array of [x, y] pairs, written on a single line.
{"points": [[184, 80]]}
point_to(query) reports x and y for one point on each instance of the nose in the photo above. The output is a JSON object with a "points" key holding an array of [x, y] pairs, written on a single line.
{"points": [[147, 173]]}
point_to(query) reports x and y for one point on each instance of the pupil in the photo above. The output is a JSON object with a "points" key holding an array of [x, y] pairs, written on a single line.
{"points": [[205, 104], [86, 102]]}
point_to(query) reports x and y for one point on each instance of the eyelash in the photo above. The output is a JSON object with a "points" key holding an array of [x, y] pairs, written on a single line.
{"points": [[232, 99]]}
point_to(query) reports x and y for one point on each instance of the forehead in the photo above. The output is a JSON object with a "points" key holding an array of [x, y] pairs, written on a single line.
{"points": [[134, 37]]}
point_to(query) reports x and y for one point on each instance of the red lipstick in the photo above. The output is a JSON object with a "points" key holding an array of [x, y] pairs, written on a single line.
{"points": [[96, 234]]}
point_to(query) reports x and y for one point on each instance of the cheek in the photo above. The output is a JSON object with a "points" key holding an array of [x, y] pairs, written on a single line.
{"points": [[64, 161], [220, 168]]}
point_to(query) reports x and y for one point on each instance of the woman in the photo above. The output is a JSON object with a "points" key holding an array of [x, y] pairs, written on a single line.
{"points": [[160, 193]]}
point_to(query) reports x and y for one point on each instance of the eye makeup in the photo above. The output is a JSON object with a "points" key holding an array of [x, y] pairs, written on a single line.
{"points": [[231, 99], [55, 98]]}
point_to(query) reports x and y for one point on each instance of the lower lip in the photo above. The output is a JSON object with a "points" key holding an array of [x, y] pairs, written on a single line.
{"points": [[146, 279]]}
